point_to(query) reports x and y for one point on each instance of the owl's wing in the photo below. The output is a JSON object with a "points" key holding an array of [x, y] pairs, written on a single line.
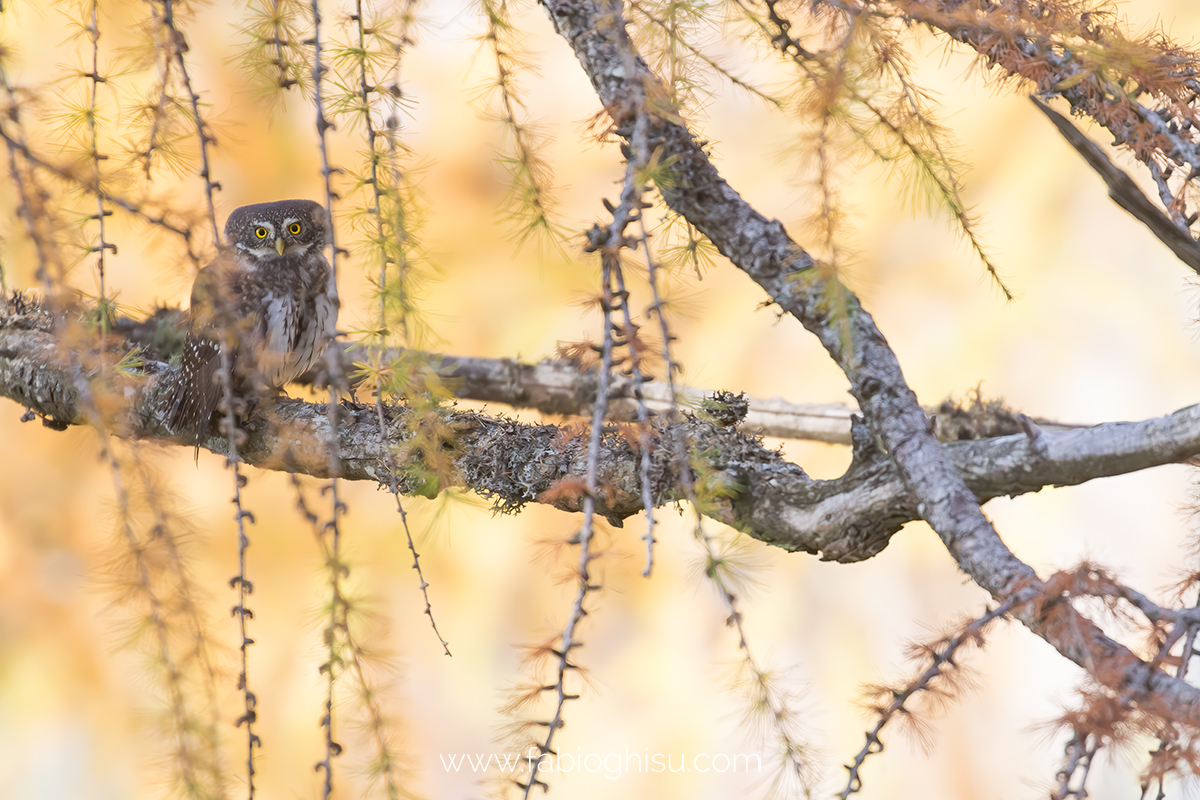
{"points": [[196, 390]]}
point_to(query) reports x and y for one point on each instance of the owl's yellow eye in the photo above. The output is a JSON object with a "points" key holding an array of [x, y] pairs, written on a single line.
{"points": [[294, 228], [261, 232]]}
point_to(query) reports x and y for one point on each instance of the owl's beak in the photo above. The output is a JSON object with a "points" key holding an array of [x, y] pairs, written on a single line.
{"points": [[279, 244]]}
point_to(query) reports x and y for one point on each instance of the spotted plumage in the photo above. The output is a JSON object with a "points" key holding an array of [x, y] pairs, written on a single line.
{"points": [[266, 298]]}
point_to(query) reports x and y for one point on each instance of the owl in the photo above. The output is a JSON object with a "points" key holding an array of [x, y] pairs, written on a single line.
{"points": [[266, 300]]}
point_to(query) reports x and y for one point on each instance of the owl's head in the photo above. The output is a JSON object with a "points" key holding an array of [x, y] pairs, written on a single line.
{"points": [[275, 230]]}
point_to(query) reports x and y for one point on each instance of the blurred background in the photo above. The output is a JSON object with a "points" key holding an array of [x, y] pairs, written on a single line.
{"points": [[1103, 328]]}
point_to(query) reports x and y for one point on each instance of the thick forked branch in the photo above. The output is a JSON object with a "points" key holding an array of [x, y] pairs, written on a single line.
{"points": [[763, 250]]}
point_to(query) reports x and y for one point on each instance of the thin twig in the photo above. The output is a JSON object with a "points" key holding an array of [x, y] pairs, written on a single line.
{"points": [[941, 659]]}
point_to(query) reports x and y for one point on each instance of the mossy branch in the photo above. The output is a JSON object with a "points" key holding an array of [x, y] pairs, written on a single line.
{"points": [[514, 463]]}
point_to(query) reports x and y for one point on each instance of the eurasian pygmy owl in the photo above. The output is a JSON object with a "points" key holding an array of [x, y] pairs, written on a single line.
{"points": [[266, 298]]}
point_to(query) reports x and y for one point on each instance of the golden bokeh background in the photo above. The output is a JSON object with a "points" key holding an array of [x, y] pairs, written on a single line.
{"points": [[1103, 329]]}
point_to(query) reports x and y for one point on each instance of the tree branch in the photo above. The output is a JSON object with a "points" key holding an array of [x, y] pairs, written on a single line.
{"points": [[1084, 60], [1124, 192], [762, 249], [559, 386], [744, 484]]}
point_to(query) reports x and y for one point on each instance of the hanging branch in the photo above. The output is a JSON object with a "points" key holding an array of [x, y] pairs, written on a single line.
{"points": [[103, 246], [765, 701], [355, 657], [385, 240], [235, 438], [162, 220], [608, 242], [272, 29], [643, 415], [334, 632], [195, 752], [631, 208], [568, 640], [530, 189], [185, 599], [32, 209], [178, 46]]}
